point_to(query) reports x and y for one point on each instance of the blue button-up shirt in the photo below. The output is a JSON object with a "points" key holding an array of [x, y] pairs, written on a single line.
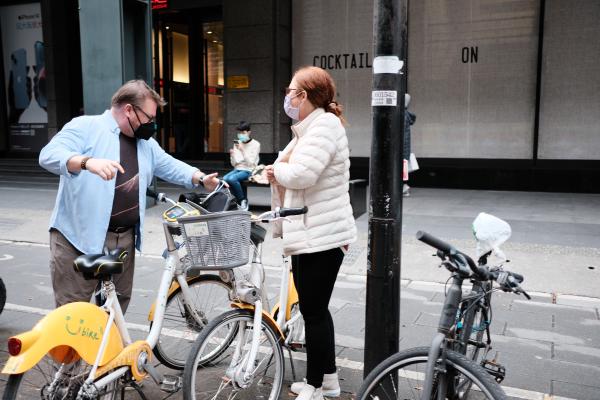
{"points": [[84, 201]]}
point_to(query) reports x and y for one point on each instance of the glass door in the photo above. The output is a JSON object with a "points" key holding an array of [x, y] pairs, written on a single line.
{"points": [[189, 70]]}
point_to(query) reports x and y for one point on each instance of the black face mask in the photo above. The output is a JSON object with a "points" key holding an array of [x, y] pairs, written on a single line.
{"points": [[144, 131]]}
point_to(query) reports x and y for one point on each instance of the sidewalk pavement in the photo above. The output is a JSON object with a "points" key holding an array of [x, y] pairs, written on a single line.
{"points": [[550, 345]]}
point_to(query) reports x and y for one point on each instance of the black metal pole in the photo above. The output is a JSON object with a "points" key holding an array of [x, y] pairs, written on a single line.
{"points": [[385, 214]]}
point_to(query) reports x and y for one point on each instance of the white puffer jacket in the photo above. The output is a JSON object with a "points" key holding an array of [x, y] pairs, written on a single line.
{"points": [[315, 175]]}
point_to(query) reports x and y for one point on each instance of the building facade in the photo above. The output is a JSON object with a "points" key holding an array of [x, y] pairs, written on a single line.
{"points": [[506, 93]]}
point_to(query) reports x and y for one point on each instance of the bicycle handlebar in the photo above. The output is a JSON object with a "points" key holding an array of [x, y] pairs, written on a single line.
{"points": [[278, 213], [450, 251], [508, 281], [162, 197], [435, 242], [285, 212], [151, 193]]}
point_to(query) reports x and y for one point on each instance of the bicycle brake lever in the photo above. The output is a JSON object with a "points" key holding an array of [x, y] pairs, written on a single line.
{"points": [[520, 290]]}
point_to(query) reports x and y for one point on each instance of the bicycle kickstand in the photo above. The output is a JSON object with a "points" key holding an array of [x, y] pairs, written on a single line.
{"points": [[292, 364]]}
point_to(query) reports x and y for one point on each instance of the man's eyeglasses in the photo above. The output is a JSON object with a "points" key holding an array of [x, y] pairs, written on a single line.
{"points": [[150, 118], [288, 90]]}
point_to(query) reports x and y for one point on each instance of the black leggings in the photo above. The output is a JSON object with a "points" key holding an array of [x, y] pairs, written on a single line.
{"points": [[314, 277]]}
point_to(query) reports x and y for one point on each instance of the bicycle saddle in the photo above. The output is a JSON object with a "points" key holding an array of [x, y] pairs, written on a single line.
{"points": [[99, 266]]}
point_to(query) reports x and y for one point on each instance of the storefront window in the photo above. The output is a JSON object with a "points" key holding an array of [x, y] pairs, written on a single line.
{"points": [[570, 97], [214, 81], [472, 77], [24, 77]]}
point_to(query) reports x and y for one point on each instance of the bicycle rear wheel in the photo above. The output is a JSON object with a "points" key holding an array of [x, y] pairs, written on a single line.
{"points": [[402, 376], [210, 297], [44, 381], [214, 372]]}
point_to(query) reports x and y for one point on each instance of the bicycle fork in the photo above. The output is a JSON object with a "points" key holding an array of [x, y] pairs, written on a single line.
{"points": [[243, 363], [437, 367]]}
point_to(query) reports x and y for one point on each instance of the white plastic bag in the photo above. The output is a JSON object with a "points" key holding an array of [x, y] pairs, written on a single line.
{"points": [[490, 233], [413, 165]]}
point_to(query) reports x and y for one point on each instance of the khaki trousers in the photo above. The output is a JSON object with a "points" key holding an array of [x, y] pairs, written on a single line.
{"points": [[69, 285]]}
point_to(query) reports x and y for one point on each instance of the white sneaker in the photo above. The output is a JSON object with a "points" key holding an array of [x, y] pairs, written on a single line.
{"points": [[310, 393], [244, 205], [330, 387]]}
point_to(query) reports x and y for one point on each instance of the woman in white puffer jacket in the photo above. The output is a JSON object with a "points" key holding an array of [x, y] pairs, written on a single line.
{"points": [[313, 170]]}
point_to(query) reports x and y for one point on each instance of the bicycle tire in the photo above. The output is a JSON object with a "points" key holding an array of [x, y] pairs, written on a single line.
{"points": [[179, 331], [218, 372], [32, 383], [2, 295], [381, 381]]}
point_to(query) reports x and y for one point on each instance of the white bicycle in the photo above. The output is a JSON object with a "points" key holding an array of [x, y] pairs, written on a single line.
{"points": [[239, 355]]}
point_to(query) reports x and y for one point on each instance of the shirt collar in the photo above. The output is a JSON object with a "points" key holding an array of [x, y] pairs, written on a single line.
{"points": [[301, 127], [111, 122]]}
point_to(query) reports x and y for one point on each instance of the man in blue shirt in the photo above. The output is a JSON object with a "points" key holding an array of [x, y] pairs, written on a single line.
{"points": [[105, 163]]}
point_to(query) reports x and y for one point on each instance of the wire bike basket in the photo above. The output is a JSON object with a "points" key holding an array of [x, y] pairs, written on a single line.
{"points": [[217, 240]]}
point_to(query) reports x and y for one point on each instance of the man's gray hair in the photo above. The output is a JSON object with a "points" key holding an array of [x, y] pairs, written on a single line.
{"points": [[134, 92]]}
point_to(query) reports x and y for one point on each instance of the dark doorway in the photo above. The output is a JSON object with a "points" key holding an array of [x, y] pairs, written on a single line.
{"points": [[188, 63]]}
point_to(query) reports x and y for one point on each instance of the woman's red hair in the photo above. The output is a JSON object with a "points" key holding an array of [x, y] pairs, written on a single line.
{"points": [[320, 89]]}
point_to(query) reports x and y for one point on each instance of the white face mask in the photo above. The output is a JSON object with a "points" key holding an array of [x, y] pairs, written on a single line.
{"points": [[292, 112]]}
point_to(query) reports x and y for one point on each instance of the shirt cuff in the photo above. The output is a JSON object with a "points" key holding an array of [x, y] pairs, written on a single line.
{"points": [[64, 170], [191, 184]]}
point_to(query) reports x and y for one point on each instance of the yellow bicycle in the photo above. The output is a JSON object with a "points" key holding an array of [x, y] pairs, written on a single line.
{"points": [[84, 351]]}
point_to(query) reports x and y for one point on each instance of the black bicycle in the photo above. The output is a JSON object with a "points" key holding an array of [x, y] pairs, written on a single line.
{"points": [[453, 367]]}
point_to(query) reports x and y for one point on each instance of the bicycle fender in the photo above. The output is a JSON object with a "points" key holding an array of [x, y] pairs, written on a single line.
{"points": [[68, 333], [266, 316]]}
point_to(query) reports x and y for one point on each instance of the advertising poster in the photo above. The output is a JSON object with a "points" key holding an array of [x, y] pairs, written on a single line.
{"points": [[24, 76]]}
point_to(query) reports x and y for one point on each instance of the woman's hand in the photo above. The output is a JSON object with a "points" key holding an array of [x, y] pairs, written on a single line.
{"points": [[271, 174]]}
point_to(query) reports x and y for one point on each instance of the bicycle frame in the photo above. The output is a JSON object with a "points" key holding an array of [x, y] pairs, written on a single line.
{"points": [[287, 295], [438, 344], [115, 354]]}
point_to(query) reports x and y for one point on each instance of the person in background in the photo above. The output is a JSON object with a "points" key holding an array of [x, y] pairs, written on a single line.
{"points": [[244, 157], [313, 171], [105, 163], [409, 119]]}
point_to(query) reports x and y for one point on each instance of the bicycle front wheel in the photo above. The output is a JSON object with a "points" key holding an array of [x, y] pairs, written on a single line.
{"points": [[215, 372], [50, 380], [210, 297], [402, 376]]}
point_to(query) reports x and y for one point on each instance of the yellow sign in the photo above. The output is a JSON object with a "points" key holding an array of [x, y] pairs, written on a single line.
{"points": [[238, 82]]}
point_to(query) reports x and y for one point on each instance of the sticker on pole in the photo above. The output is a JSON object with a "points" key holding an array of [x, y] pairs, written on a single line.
{"points": [[384, 98]]}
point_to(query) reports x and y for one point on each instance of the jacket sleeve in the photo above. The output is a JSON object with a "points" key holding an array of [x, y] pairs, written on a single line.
{"points": [[251, 154], [69, 142], [312, 154], [169, 168]]}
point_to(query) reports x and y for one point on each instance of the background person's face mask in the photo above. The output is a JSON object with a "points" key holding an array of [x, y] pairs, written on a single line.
{"points": [[243, 137]]}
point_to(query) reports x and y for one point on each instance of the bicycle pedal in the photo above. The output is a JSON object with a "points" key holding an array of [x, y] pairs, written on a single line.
{"points": [[496, 370], [171, 383]]}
